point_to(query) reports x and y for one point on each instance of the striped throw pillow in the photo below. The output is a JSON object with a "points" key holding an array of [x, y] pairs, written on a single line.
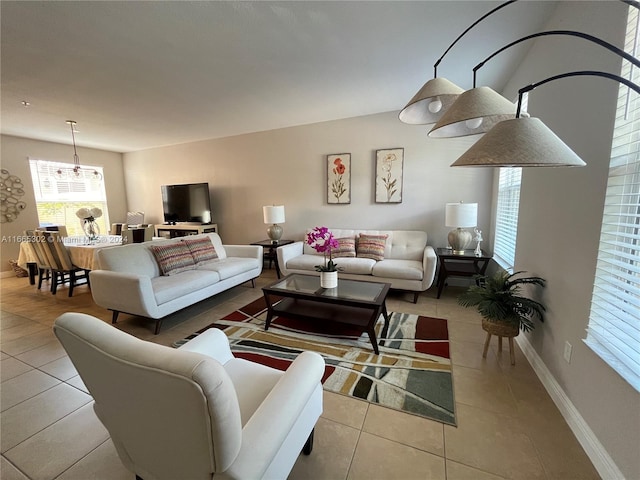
{"points": [[173, 258], [371, 246], [346, 248], [201, 249]]}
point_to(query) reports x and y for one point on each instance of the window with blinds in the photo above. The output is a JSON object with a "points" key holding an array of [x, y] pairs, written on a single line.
{"points": [[58, 199], [504, 244], [614, 323]]}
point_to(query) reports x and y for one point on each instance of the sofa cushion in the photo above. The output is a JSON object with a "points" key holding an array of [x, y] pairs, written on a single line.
{"points": [[400, 269], [133, 258], [346, 248], [173, 258], [169, 288], [371, 246], [407, 245], [305, 262], [359, 266], [230, 266], [201, 249]]}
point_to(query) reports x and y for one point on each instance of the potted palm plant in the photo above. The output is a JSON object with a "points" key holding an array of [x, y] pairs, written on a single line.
{"points": [[499, 300]]}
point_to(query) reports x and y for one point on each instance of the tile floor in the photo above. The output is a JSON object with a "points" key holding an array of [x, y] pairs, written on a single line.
{"points": [[508, 427]]}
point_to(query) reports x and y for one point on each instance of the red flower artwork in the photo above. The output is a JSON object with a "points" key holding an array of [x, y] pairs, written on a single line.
{"points": [[337, 186]]}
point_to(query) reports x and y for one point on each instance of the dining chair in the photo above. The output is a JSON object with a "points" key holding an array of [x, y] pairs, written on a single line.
{"points": [[135, 218], [60, 262], [37, 253], [116, 228], [138, 235], [61, 229]]}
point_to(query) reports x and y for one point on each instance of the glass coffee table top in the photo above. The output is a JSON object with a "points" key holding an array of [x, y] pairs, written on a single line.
{"points": [[346, 289]]}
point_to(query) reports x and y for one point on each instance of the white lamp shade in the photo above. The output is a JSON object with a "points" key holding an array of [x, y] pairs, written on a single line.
{"points": [[273, 214], [520, 142], [418, 110], [475, 111], [461, 215]]}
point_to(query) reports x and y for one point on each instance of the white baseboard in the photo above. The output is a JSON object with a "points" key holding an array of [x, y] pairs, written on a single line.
{"points": [[601, 460]]}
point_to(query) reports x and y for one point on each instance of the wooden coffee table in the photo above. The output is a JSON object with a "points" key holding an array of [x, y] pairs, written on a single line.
{"points": [[352, 302]]}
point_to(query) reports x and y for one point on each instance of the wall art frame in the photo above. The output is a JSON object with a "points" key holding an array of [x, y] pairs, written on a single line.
{"points": [[389, 175], [339, 178]]}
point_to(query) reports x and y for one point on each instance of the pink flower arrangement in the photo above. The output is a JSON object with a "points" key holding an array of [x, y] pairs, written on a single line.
{"points": [[322, 241]]}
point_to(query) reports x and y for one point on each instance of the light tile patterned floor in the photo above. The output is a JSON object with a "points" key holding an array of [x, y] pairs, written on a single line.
{"points": [[508, 427]]}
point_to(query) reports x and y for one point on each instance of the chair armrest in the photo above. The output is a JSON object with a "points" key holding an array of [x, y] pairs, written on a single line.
{"points": [[124, 292], [429, 264], [287, 252], [276, 416], [213, 343], [246, 251]]}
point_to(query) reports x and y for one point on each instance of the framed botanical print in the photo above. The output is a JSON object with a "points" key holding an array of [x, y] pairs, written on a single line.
{"points": [[389, 166], [339, 178]]}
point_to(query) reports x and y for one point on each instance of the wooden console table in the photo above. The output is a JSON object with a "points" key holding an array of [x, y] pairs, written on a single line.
{"points": [[181, 230]]}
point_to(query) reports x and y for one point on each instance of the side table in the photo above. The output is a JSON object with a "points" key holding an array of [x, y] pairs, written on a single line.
{"points": [[270, 251], [459, 265]]}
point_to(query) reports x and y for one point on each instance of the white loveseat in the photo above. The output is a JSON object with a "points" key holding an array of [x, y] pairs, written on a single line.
{"points": [[408, 264], [129, 279]]}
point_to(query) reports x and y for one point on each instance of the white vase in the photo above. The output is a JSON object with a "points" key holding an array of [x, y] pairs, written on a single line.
{"points": [[328, 279]]}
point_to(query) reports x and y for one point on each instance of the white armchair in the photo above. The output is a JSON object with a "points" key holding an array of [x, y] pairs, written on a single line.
{"points": [[196, 412]]}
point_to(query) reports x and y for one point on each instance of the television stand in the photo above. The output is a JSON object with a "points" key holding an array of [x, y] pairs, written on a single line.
{"points": [[182, 230]]}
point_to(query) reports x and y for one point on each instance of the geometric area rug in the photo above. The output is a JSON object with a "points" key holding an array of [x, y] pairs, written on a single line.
{"points": [[412, 372]]}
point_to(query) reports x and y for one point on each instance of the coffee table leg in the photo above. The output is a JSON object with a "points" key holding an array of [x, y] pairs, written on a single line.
{"points": [[385, 329], [269, 312], [374, 342]]}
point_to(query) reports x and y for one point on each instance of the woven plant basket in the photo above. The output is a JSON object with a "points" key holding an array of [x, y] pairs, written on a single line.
{"points": [[500, 329]]}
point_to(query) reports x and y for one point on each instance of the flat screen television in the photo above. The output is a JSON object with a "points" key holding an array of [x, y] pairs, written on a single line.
{"points": [[186, 203]]}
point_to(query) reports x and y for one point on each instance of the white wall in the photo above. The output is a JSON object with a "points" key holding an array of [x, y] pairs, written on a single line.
{"points": [[15, 155], [560, 217], [288, 166]]}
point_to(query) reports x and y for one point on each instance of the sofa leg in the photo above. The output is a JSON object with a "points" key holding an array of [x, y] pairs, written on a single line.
{"points": [[158, 325], [415, 297], [253, 283], [114, 316], [309, 445]]}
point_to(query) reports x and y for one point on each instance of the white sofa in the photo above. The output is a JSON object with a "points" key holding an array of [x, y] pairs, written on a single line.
{"points": [[409, 263], [129, 278]]}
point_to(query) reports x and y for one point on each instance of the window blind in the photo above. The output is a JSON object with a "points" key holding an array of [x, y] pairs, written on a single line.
{"points": [[614, 322], [58, 200], [507, 216]]}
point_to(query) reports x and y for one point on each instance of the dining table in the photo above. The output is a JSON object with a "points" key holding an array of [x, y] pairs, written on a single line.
{"points": [[81, 250]]}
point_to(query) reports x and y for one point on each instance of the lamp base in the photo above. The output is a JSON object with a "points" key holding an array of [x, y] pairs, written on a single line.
{"points": [[274, 232], [459, 239]]}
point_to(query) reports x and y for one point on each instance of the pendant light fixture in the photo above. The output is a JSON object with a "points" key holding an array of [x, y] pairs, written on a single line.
{"points": [[478, 110], [474, 111], [438, 94], [528, 142], [76, 171]]}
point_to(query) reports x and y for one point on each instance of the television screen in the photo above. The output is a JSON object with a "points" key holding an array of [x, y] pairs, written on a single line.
{"points": [[186, 203]]}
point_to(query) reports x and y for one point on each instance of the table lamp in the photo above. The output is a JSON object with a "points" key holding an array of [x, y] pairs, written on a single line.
{"points": [[460, 215], [273, 214]]}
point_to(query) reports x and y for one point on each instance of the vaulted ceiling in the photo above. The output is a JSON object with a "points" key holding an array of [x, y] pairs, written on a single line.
{"points": [[142, 74]]}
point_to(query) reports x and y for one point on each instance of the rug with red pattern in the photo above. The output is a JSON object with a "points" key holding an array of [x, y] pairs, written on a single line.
{"points": [[412, 373]]}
